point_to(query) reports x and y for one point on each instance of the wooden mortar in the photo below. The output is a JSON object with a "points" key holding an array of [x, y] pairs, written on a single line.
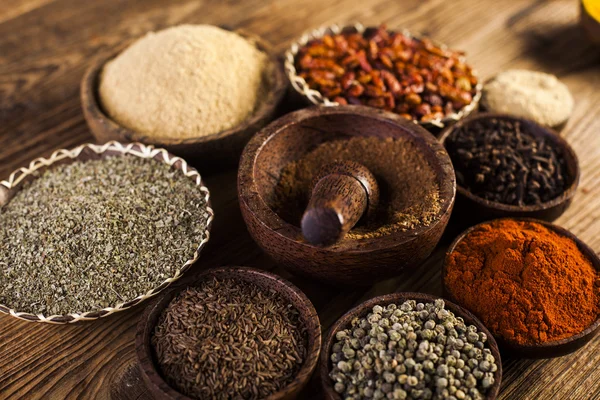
{"points": [[349, 261]]}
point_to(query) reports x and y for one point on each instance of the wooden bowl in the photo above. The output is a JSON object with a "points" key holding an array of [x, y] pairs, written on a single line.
{"points": [[475, 209], [11, 186], [349, 261], [311, 96], [398, 298], [545, 350], [266, 280], [223, 147]]}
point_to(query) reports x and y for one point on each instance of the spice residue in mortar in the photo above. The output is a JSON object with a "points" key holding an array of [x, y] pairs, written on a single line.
{"points": [[89, 235], [408, 184], [503, 161], [229, 339], [524, 281], [412, 351], [184, 82]]}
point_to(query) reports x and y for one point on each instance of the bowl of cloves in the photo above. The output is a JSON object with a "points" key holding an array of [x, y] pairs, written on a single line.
{"points": [[508, 166]]}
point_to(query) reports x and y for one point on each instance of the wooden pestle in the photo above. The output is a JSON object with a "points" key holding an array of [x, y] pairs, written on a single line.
{"points": [[342, 193]]}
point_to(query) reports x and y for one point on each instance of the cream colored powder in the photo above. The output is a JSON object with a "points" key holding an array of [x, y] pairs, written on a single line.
{"points": [[534, 95], [183, 82]]}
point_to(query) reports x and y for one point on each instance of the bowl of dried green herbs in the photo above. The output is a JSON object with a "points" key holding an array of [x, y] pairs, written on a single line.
{"points": [[98, 229], [233, 333]]}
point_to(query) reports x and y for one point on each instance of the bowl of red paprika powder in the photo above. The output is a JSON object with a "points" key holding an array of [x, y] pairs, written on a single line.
{"points": [[534, 285]]}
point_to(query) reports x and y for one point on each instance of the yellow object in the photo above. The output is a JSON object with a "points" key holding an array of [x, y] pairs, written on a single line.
{"points": [[593, 8]]}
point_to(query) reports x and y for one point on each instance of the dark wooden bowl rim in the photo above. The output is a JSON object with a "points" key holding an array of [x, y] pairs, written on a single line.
{"points": [[397, 298], [276, 92], [558, 141], [251, 198], [145, 353], [513, 346]]}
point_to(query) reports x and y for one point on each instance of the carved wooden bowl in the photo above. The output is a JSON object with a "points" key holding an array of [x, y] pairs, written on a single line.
{"points": [[9, 187], [349, 261], [225, 146], [398, 298], [544, 350], [475, 209], [266, 280]]}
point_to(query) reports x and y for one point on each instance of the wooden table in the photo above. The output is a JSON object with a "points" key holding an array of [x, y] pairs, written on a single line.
{"points": [[45, 45]]}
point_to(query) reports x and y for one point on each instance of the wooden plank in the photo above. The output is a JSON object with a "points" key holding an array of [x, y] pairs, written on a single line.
{"points": [[10, 9], [45, 47]]}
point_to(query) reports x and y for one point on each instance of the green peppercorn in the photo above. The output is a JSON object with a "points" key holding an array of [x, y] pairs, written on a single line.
{"points": [[414, 350], [399, 394], [412, 381], [341, 335], [344, 366]]}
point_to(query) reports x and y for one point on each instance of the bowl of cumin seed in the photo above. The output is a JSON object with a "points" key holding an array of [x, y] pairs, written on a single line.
{"points": [[98, 229], [234, 333]]}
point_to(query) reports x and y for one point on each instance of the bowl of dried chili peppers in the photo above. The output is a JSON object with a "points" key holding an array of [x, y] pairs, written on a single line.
{"points": [[411, 75]]}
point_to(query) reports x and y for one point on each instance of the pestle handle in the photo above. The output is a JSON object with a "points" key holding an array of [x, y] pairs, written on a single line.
{"points": [[342, 194]]}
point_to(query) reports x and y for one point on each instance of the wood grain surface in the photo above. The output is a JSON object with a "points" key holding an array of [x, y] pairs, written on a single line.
{"points": [[45, 46]]}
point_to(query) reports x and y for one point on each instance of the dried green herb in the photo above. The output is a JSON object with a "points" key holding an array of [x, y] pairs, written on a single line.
{"points": [[228, 339], [89, 235], [412, 351]]}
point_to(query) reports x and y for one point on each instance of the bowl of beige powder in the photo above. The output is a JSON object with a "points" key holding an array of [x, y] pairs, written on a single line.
{"points": [[197, 90], [533, 95]]}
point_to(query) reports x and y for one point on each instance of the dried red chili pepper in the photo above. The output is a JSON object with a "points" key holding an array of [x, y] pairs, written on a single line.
{"points": [[389, 70]]}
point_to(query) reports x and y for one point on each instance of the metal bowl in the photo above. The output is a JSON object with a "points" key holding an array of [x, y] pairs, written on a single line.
{"points": [[313, 96], [10, 187]]}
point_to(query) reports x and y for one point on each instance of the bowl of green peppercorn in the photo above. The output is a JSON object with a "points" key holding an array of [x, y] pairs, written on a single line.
{"points": [[410, 345]]}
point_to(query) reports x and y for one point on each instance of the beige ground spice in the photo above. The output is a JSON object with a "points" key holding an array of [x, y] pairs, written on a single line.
{"points": [[533, 95], [185, 81], [409, 188]]}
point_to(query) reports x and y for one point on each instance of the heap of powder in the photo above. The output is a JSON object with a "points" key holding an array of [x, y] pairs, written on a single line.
{"points": [[183, 82], [409, 190], [525, 282], [533, 95]]}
